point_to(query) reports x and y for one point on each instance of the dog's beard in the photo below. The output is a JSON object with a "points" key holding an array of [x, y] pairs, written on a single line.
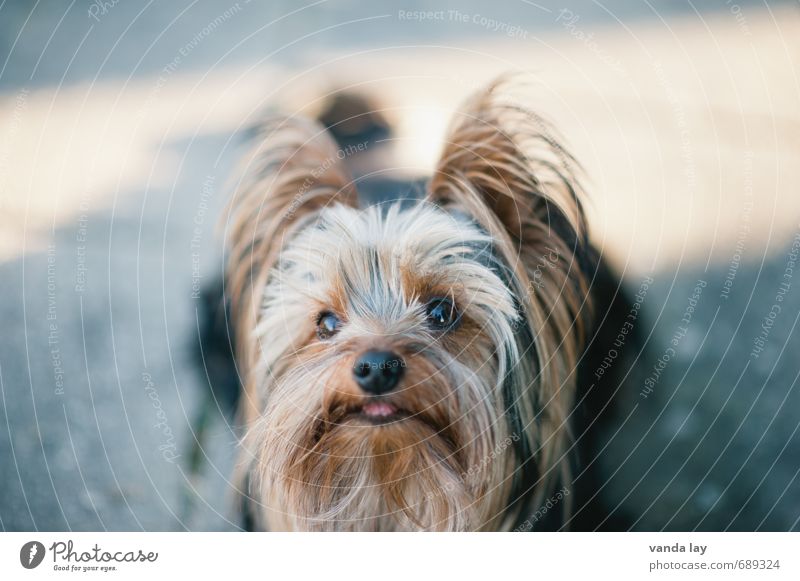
{"points": [[441, 462]]}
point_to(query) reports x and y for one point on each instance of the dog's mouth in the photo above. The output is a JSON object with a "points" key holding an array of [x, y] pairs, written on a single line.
{"points": [[377, 412], [367, 412], [389, 417]]}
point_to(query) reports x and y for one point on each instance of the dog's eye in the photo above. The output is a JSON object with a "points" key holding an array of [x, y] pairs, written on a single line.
{"points": [[327, 325], [441, 313]]}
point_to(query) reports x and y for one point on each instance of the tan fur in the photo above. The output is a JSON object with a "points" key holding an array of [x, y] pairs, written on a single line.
{"points": [[293, 172], [504, 165], [298, 247]]}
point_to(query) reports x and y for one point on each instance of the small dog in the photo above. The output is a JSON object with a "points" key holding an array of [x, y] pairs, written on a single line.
{"points": [[416, 364]]}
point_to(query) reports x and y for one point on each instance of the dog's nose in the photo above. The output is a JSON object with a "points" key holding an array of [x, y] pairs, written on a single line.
{"points": [[378, 372]]}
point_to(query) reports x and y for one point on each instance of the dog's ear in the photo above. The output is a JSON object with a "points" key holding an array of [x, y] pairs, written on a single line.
{"points": [[503, 166], [294, 171]]}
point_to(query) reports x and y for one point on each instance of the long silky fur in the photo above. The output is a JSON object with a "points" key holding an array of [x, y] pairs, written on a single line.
{"points": [[291, 173], [504, 164], [498, 387]]}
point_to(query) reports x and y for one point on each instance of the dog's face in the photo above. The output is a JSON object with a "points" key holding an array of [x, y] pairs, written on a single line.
{"points": [[407, 366], [389, 331]]}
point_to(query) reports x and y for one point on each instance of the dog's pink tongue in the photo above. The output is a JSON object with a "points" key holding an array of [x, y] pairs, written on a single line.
{"points": [[379, 409]]}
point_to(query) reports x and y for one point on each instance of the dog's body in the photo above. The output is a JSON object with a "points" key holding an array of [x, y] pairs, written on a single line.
{"points": [[419, 364]]}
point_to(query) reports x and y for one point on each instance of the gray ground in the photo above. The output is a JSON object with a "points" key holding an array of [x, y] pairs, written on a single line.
{"points": [[714, 446], [99, 456]]}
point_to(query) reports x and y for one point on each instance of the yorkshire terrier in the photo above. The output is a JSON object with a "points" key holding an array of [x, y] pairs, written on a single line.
{"points": [[420, 363]]}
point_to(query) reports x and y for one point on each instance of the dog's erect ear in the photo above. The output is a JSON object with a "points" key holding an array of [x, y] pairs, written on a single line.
{"points": [[503, 166], [294, 171]]}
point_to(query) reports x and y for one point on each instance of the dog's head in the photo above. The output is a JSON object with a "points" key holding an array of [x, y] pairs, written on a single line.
{"points": [[408, 365]]}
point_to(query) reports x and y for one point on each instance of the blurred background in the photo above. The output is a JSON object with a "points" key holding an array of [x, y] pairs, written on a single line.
{"points": [[120, 123]]}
